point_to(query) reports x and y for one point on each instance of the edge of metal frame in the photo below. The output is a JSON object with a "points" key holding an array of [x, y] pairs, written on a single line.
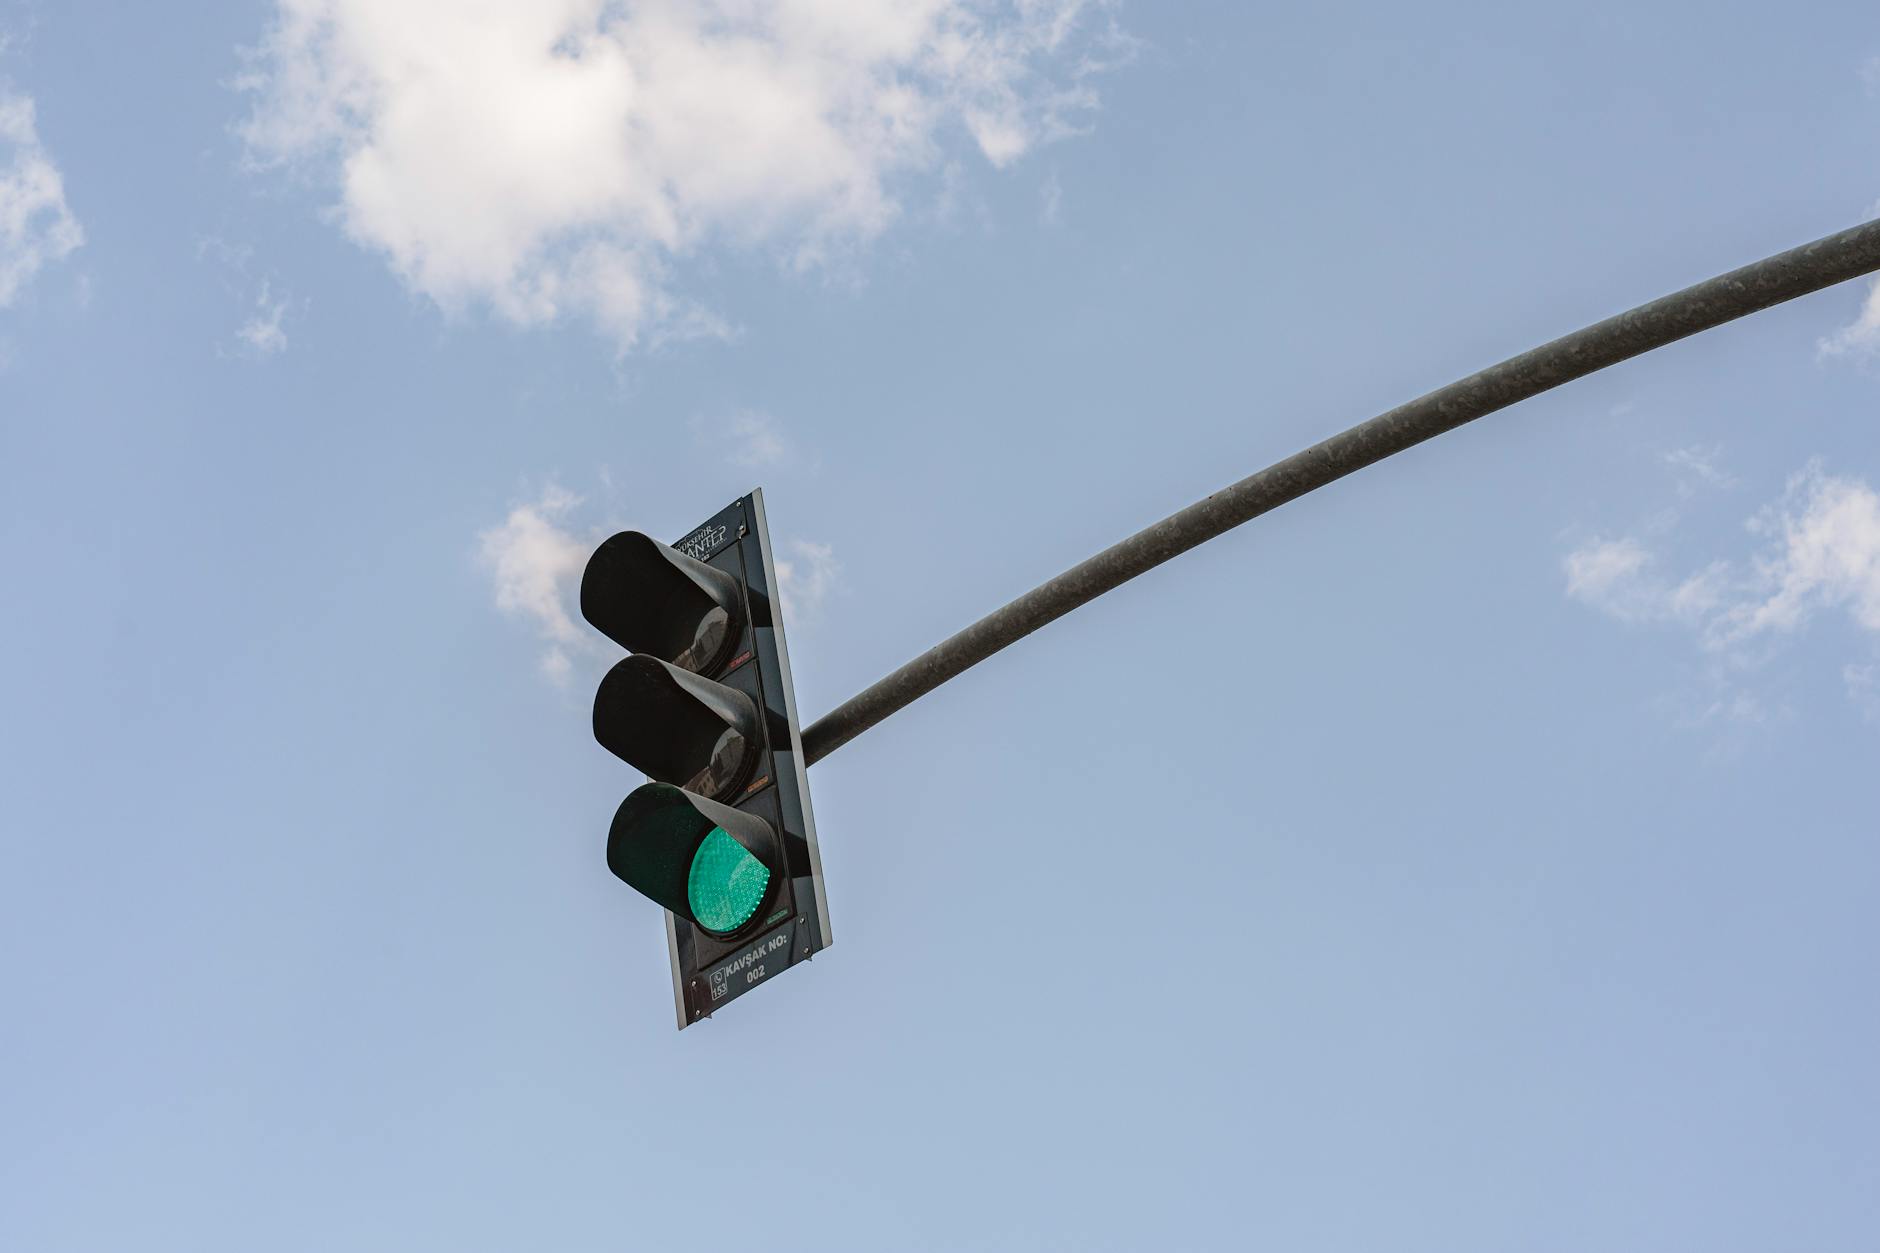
{"points": [[762, 523], [672, 964]]}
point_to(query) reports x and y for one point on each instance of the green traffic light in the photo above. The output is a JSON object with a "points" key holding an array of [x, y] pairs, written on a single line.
{"points": [[726, 884]]}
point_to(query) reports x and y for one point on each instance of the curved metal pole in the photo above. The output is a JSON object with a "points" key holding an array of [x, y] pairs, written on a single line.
{"points": [[1771, 281]]}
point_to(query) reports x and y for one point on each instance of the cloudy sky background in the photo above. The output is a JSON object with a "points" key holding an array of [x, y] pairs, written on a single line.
{"points": [[1479, 854]]}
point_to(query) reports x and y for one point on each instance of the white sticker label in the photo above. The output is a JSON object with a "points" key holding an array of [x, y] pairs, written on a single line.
{"points": [[753, 965], [703, 542]]}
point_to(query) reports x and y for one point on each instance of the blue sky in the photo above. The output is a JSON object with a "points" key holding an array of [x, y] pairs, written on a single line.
{"points": [[1478, 854]]}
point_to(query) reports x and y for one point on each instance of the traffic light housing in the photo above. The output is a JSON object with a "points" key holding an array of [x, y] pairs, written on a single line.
{"points": [[721, 835]]}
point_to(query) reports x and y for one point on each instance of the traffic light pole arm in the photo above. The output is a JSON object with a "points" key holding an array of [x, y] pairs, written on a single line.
{"points": [[1768, 282]]}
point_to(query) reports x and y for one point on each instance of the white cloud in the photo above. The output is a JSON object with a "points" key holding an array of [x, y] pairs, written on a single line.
{"points": [[1597, 571], [554, 157], [536, 564], [536, 557], [1863, 688], [1702, 463], [262, 332], [1619, 578], [759, 441], [1861, 337], [1051, 201], [36, 227], [750, 438], [1825, 554], [1821, 552], [806, 579]]}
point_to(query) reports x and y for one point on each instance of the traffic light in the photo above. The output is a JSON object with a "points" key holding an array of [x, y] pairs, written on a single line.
{"points": [[722, 834]]}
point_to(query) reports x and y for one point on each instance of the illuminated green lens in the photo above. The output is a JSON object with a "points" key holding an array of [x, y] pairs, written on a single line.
{"points": [[726, 884]]}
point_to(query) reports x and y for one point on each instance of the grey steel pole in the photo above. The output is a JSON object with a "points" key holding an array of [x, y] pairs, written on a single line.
{"points": [[1797, 272]]}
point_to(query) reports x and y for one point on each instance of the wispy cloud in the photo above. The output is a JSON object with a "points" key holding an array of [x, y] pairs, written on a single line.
{"points": [[1619, 577], [37, 228], [1823, 554], [1863, 687], [1699, 465], [807, 578], [1859, 338], [1819, 553], [1051, 201], [749, 438], [262, 332], [535, 558], [555, 157], [536, 564]]}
